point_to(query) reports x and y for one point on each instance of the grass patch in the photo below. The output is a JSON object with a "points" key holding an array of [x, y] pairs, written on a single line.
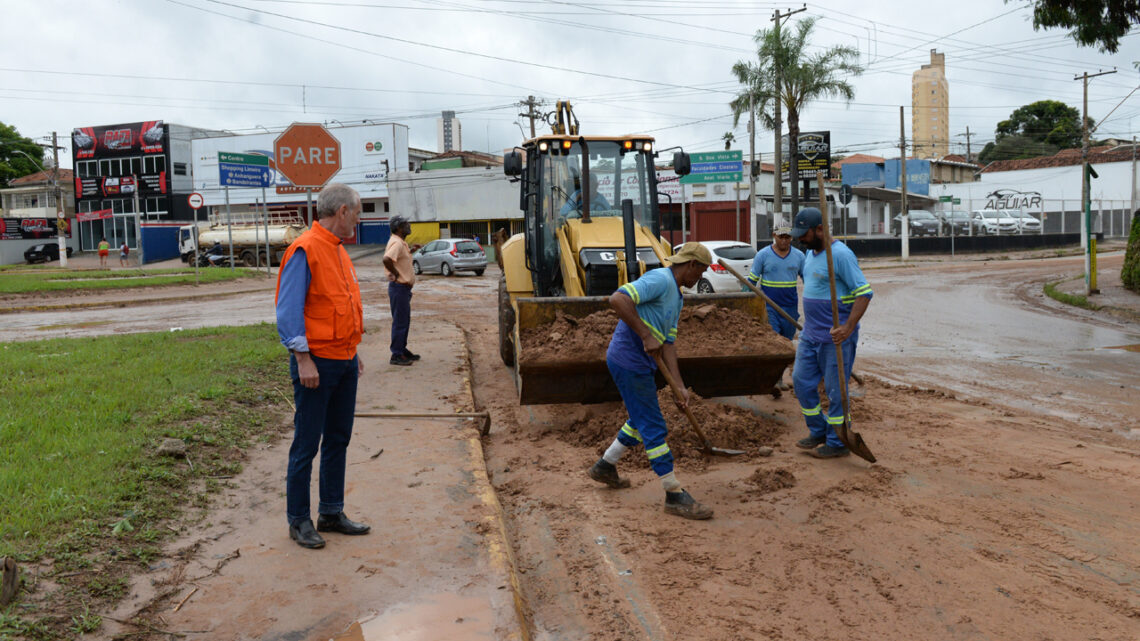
{"points": [[1069, 299], [82, 490], [26, 281]]}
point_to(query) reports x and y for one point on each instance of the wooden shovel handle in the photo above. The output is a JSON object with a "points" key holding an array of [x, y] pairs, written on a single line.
{"points": [[677, 394]]}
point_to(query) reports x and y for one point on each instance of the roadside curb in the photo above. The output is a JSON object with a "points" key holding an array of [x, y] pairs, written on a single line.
{"points": [[133, 302], [499, 549]]}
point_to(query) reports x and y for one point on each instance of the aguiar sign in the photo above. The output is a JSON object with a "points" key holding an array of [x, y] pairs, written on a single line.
{"points": [[814, 154], [307, 154]]}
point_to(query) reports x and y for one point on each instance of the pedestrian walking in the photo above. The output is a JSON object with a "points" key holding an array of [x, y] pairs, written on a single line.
{"points": [[649, 309], [124, 252], [320, 320], [104, 251], [815, 356], [401, 278], [776, 269]]}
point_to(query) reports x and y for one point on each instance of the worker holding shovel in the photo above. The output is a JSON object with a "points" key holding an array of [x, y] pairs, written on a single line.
{"points": [[649, 309], [776, 269], [816, 354]]}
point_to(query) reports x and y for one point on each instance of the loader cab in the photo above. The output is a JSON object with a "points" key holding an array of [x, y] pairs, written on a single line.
{"points": [[577, 180]]}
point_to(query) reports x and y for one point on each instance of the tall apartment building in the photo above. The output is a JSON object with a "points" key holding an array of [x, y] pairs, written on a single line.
{"points": [[930, 108], [449, 132]]}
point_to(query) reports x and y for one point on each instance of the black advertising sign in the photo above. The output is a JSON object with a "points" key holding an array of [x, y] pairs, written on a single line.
{"points": [[814, 154], [27, 228], [121, 186], [131, 139]]}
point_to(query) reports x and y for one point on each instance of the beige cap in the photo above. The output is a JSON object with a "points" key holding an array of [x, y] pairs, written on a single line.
{"points": [[691, 251], [782, 230]]}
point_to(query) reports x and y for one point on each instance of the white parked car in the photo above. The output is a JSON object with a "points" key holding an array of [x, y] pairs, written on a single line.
{"points": [[1026, 223], [995, 221], [716, 278]]}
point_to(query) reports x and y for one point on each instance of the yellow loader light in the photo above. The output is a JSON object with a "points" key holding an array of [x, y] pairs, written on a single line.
{"points": [[628, 144], [647, 146], [542, 146], [566, 144]]}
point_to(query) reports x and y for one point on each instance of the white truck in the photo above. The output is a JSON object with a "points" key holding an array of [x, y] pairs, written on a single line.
{"points": [[249, 234]]}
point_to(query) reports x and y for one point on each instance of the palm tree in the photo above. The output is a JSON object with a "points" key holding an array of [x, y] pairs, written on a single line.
{"points": [[728, 138], [803, 77]]}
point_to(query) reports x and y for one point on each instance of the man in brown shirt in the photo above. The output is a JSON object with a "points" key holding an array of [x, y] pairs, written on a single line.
{"points": [[401, 278]]}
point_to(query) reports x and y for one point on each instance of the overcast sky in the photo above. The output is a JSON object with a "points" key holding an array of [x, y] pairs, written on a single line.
{"points": [[629, 66]]}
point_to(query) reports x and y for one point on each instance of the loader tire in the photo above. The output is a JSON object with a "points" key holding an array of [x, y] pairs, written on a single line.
{"points": [[506, 325]]}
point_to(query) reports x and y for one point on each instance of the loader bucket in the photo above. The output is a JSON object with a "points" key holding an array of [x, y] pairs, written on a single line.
{"points": [[574, 378]]}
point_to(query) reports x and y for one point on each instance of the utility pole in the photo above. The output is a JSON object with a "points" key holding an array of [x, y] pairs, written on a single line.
{"points": [[1086, 204], [904, 222], [752, 167], [778, 187], [532, 104], [969, 156], [1132, 194], [59, 219]]}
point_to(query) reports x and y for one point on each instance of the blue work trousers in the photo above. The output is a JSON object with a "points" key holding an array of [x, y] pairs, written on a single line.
{"points": [[323, 420], [400, 302], [816, 361], [781, 325], [645, 425]]}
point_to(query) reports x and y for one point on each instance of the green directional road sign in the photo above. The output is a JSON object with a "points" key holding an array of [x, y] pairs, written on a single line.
{"points": [[243, 159], [957, 201], [945, 199], [715, 167]]}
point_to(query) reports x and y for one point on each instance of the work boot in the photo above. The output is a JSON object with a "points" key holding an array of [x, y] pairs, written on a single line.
{"points": [[305, 536], [400, 360], [411, 356], [684, 505], [605, 472], [810, 443], [340, 523], [782, 386], [826, 451]]}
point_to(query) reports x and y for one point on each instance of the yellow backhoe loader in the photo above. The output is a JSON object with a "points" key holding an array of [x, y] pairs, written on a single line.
{"points": [[591, 224]]}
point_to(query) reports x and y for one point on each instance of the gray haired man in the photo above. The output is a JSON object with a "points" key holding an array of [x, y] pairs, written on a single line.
{"points": [[401, 278]]}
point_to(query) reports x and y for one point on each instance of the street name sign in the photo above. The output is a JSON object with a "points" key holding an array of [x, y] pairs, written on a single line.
{"points": [[243, 170], [715, 167]]}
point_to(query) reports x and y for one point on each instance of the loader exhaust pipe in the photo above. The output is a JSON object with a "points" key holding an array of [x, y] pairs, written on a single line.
{"points": [[630, 240]]}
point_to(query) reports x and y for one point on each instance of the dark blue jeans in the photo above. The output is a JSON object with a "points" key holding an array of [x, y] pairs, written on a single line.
{"points": [[400, 302], [323, 420]]}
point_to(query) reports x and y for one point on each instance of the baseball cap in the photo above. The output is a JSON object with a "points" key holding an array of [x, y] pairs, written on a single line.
{"points": [[808, 218], [691, 251], [782, 230]]}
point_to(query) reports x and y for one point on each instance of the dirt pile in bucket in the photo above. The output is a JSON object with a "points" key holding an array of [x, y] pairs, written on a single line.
{"points": [[725, 425], [704, 330]]}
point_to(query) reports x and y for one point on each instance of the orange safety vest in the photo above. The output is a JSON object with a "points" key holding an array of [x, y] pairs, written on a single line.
{"points": [[334, 316]]}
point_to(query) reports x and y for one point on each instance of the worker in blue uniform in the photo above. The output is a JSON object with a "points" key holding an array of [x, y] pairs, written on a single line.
{"points": [[777, 270], [815, 355]]}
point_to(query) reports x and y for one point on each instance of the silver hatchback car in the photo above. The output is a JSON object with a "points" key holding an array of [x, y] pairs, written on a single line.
{"points": [[450, 255]]}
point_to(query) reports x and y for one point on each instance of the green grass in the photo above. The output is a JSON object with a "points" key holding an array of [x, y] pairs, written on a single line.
{"points": [[1069, 299], [81, 486], [25, 281]]}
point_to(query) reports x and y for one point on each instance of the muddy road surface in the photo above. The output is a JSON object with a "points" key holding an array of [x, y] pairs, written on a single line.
{"points": [[1004, 504]]}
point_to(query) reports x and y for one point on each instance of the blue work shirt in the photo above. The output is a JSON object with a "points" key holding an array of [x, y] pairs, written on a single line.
{"points": [[597, 201], [778, 275], [295, 277], [849, 285], [658, 300]]}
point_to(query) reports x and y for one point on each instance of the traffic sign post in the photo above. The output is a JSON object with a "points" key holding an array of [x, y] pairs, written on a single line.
{"points": [[715, 167], [195, 200], [307, 155], [243, 170]]}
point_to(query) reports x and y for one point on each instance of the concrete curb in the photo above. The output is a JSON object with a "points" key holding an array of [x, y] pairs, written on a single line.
{"points": [[133, 302], [499, 549]]}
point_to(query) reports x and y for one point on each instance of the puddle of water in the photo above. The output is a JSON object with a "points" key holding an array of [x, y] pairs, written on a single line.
{"points": [[441, 617], [1130, 348]]}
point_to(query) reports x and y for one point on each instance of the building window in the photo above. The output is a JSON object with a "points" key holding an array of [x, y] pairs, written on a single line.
{"points": [[368, 208], [104, 167], [179, 169], [154, 164], [87, 168], [385, 206]]}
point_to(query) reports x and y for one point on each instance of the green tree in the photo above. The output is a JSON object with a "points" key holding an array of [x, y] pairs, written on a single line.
{"points": [[1130, 273], [803, 77], [1092, 22], [728, 139], [1014, 147], [13, 161], [1047, 121]]}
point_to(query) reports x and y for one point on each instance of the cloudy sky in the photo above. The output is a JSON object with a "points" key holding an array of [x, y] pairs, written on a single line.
{"points": [[657, 66]]}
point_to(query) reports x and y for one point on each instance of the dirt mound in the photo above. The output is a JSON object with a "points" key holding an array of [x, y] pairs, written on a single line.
{"points": [[766, 481], [725, 425], [705, 330]]}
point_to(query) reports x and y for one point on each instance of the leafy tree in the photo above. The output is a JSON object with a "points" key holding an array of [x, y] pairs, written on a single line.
{"points": [[1014, 147], [803, 78], [728, 138], [1047, 121], [1093, 22], [13, 161], [1130, 273]]}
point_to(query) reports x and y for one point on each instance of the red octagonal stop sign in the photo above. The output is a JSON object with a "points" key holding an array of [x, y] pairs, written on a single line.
{"points": [[307, 154]]}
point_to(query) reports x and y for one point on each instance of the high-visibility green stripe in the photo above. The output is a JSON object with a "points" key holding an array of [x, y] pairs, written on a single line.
{"points": [[835, 420], [628, 430], [658, 451], [658, 334], [810, 411], [859, 291], [632, 291], [778, 283]]}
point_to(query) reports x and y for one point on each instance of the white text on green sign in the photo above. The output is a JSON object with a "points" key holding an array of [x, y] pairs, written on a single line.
{"points": [[243, 159]]}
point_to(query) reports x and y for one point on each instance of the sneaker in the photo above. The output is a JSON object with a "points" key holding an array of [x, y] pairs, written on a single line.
{"points": [[810, 443], [826, 451], [684, 505], [411, 356], [605, 472], [400, 360]]}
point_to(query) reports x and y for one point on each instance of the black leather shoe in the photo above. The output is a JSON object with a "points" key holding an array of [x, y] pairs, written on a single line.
{"points": [[341, 523], [411, 356], [400, 360], [305, 536]]}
